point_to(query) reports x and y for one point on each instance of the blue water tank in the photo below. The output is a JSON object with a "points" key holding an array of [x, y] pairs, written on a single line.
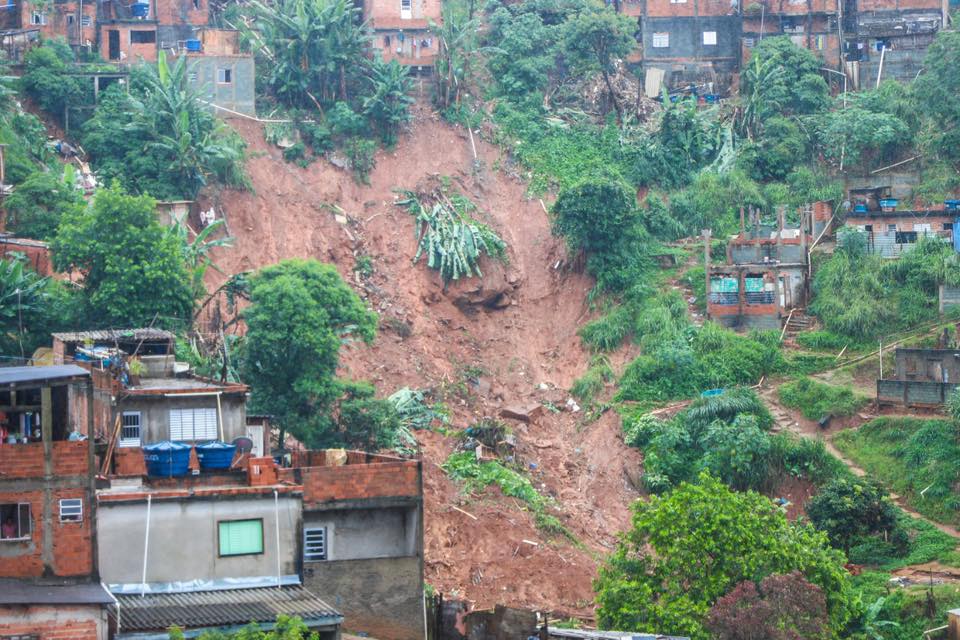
{"points": [[167, 459], [140, 9], [194, 45], [216, 455], [952, 205]]}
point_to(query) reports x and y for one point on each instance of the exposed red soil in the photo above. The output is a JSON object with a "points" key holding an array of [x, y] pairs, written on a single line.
{"points": [[524, 353]]}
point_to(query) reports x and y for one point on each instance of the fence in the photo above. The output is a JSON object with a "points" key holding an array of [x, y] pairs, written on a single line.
{"points": [[914, 392]]}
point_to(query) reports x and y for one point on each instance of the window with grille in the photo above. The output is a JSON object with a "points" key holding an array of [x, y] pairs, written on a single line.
{"points": [[224, 76], [15, 522], [315, 544], [406, 9], [143, 37], [71, 510], [661, 40], [130, 429], [85, 21], [193, 425], [241, 537], [38, 18]]}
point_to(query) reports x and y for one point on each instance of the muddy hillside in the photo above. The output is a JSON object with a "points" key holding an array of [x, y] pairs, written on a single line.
{"points": [[507, 341]]}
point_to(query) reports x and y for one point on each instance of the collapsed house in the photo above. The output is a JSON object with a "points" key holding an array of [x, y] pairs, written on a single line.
{"points": [[922, 378], [766, 273]]}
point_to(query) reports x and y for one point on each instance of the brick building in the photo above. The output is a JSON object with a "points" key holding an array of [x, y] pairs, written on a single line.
{"points": [[49, 583], [402, 31], [35, 252], [766, 272], [811, 24]]}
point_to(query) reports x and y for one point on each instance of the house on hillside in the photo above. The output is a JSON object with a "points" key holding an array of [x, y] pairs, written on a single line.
{"points": [[337, 538], [889, 231], [766, 273], [49, 582], [921, 378], [811, 25], [35, 252], [163, 402], [402, 31]]}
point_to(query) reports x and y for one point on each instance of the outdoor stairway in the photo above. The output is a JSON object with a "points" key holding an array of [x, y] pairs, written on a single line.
{"points": [[798, 321]]}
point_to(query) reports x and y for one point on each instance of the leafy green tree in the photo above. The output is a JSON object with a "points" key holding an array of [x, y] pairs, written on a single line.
{"points": [[45, 80], [593, 40], [523, 58], [847, 510], [387, 105], [365, 422], [936, 90], [35, 208], [686, 549], [773, 155], [861, 138], [459, 46], [782, 78], [300, 311], [196, 251], [132, 268], [595, 214], [23, 295]]}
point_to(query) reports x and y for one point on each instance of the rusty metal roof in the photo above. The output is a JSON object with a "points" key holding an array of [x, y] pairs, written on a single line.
{"points": [[125, 335], [201, 609]]}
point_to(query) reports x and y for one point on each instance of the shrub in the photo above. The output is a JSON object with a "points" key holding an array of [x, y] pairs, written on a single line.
{"points": [[816, 399], [848, 509], [785, 607], [592, 383]]}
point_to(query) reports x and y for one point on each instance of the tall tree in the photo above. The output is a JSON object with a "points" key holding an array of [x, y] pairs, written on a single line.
{"points": [[132, 268], [300, 311], [594, 39], [937, 88], [688, 548]]}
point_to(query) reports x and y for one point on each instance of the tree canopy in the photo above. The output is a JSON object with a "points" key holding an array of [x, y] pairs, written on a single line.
{"points": [[132, 268], [300, 311], [689, 548]]}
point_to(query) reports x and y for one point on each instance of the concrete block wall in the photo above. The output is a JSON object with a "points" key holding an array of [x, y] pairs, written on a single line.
{"points": [[54, 622], [386, 480]]}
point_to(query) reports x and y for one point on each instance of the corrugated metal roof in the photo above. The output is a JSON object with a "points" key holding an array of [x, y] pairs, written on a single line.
{"points": [[114, 334], [23, 592], [157, 612], [39, 375]]}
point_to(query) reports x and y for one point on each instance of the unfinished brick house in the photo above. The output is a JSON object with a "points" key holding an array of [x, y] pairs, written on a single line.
{"points": [[402, 32], [889, 231], [164, 402], [811, 24], [340, 533], [49, 584], [921, 378], [766, 272]]}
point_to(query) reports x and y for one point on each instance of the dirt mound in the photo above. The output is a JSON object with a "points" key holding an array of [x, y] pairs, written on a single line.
{"points": [[479, 356]]}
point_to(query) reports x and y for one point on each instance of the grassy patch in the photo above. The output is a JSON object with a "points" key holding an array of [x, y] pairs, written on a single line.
{"points": [[915, 609], [592, 383], [816, 399], [918, 459], [476, 476]]}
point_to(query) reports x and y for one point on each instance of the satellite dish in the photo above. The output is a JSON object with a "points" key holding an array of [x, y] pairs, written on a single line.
{"points": [[243, 444]]}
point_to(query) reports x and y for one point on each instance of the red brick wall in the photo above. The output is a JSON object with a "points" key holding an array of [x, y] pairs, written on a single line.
{"points": [[21, 461], [171, 12], [386, 480], [72, 541], [37, 256], [667, 9], [70, 458], [128, 461], [54, 623]]}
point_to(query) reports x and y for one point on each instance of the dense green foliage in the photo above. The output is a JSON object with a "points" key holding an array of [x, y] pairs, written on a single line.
{"points": [[861, 296], [815, 399], [286, 628], [160, 139], [30, 308], [911, 455], [299, 313], [687, 549], [133, 269], [46, 78], [850, 509], [39, 203]]}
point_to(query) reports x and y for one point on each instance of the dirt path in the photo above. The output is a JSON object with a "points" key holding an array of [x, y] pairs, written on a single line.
{"points": [[476, 360], [789, 420]]}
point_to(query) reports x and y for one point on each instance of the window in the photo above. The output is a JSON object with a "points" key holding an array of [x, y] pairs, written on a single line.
{"points": [[20, 637], [678, 1], [85, 21], [224, 76], [315, 544], [406, 9], [193, 424], [922, 228], [891, 227], [38, 18], [948, 226], [749, 43], [709, 38], [71, 19], [192, 76], [661, 40], [906, 237], [71, 510], [143, 37], [15, 523], [196, 4], [130, 429], [241, 537]]}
